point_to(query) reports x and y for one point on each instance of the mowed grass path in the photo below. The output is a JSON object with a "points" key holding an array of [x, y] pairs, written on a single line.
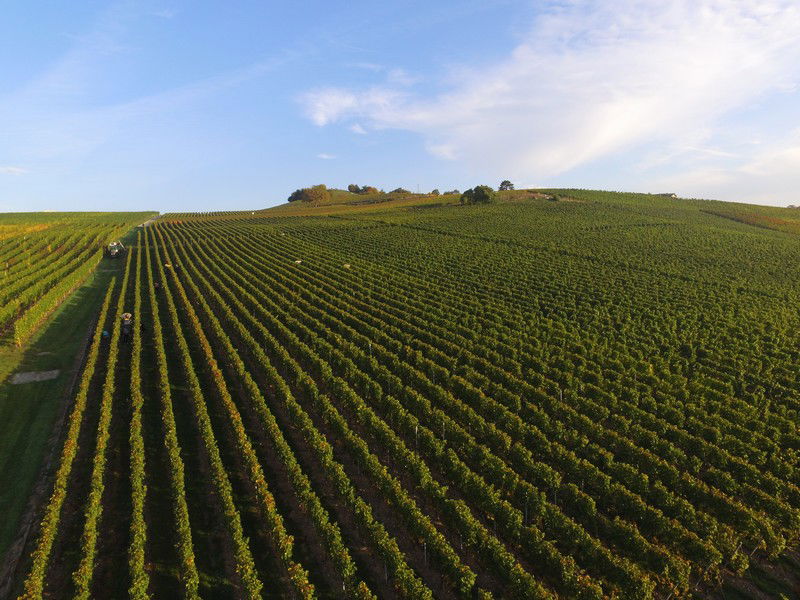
{"points": [[28, 411]]}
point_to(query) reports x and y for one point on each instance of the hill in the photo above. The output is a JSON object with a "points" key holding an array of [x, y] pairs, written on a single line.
{"points": [[566, 393]]}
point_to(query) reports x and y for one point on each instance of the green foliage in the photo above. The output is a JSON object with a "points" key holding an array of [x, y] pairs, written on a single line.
{"points": [[266, 502], [591, 398], [317, 193], [505, 185], [435, 192], [31, 319], [245, 565], [481, 194], [93, 510], [138, 529], [189, 576], [400, 191], [366, 189], [34, 583], [44, 258], [337, 550]]}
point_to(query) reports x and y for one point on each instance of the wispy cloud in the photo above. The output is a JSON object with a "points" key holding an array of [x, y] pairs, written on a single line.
{"points": [[325, 156], [356, 128], [770, 174], [12, 170], [400, 77], [165, 13], [328, 105], [368, 66], [592, 79], [59, 113]]}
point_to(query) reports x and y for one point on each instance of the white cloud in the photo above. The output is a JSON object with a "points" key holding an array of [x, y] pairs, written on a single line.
{"points": [[12, 170], [777, 160], [329, 105], [593, 79], [769, 175], [325, 156], [400, 77], [445, 151], [324, 106], [166, 13], [356, 128]]}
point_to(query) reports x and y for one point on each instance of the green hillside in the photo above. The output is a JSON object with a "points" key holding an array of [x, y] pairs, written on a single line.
{"points": [[561, 394], [671, 315]]}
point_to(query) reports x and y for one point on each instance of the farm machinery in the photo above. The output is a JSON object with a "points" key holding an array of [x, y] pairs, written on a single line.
{"points": [[115, 250]]}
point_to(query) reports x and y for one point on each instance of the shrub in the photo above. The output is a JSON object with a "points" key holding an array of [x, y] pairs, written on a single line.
{"points": [[317, 193], [480, 194]]}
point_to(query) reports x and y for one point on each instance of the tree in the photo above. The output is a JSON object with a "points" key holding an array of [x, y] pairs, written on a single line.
{"points": [[435, 192], [364, 189], [316, 193], [400, 191], [480, 194], [506, 185], [452, 192]]}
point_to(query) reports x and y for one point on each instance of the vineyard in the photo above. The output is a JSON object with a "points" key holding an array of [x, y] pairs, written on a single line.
{"points": [[52, 276], [574, 395], [44, 258]]}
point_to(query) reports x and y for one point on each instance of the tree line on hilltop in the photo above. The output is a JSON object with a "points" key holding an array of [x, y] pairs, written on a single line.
{"points": [[481, 194]]}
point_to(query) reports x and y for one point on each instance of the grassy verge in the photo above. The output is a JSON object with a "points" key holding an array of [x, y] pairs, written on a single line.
{"points": [[27, 411]]}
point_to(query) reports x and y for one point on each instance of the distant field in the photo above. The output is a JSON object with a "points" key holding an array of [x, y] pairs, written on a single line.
{"points": [[563, 394]]}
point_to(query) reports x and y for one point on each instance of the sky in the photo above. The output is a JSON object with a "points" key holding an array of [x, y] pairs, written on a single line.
{"points": [[199, 106]]}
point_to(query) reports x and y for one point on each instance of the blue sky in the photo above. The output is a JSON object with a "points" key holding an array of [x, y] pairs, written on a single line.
{"points": [[178, 105]]}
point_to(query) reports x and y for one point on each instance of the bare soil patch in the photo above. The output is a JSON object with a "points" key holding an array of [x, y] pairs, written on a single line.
{"points": [[30, 376]]}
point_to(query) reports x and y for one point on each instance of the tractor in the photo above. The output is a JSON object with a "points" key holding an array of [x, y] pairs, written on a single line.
{"points": [[115, 250]]}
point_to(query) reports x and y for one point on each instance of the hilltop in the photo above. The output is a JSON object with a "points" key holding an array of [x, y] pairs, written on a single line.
{"points": [[343, 201]]}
